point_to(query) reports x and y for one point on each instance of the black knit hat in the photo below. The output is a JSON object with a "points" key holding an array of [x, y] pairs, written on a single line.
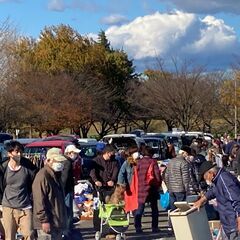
{"points": [[205, 166], [186, 149]]}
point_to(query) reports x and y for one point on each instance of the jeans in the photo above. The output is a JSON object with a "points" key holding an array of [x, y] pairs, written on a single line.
{"points": [[69, 206], [176, 197], [139, 212]]}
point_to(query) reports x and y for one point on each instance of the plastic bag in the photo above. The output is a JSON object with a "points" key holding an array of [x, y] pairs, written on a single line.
{"points": [[165, 200]]}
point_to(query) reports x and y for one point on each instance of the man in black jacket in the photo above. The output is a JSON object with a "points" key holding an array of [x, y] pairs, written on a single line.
{"points": [[17, 174], [104, 176]]}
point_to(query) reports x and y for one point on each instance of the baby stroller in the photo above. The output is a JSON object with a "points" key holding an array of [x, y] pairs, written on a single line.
{"points": [[114, 219]]}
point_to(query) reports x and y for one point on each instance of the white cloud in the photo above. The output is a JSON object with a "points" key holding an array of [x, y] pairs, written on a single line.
{"points": [[114, 19], [206, 6], [151, 35], [176, 34], [56, 5]]}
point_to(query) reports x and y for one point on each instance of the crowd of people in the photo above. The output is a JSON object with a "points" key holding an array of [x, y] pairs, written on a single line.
{"points": [[39, 203]]}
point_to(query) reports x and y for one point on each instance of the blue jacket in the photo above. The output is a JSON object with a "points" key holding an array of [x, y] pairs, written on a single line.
{"points": [[226, 189], [125, 174]]}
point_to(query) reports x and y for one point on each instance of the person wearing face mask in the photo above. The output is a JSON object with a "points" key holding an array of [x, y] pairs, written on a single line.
{"points": [[49, 210], [17, 174], [225, 187], [104, 177], [188, 154], [126, 171], [68, 179]]}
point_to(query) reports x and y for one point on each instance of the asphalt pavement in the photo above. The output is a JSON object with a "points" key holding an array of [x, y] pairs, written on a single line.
{"points": [[85, 229]]}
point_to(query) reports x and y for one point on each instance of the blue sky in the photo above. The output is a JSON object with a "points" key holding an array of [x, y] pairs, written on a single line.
{"points": [[206, 31]]}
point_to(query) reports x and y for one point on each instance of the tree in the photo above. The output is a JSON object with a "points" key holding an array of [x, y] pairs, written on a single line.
{"points": [[229, 95], [8, 105], [180, 97], [51, 103]]}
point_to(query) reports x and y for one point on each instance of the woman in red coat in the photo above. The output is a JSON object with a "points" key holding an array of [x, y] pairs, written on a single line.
{"points": [[147, 191]]}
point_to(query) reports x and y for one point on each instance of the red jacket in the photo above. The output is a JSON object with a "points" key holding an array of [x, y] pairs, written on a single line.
{"points": [[144, 189]]}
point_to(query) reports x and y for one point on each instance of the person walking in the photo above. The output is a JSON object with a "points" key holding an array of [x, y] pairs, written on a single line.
{"points": [[17, 174], [225, 187], [49, 210], [147, 191]]}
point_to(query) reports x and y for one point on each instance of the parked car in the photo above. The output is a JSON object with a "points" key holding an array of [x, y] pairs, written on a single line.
{"points": [[159, 145], [65, 137], [175, 138], [23, 141], [88, 153], [122, 141], [36, 151], [4, 137]]}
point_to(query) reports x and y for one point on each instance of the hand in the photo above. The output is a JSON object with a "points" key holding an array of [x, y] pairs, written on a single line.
{"points": [[200, 202], [98, 184], [197, 204], [46, 227], [238, 224], [110, 183]]}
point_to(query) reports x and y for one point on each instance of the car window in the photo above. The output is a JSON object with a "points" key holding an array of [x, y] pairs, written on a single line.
{"points": [[37, 155], [88, 151]]}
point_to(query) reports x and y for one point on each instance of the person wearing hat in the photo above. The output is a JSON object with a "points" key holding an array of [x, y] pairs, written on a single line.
{"points": [[225, 187], [70, 175], [49, 210]]}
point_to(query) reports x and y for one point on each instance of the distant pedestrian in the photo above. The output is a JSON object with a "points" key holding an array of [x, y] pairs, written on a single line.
{"points": [[17, 174], [49, 210]]}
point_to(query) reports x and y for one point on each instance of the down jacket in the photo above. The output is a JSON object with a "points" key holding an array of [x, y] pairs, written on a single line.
{"points": [[177, 175]]}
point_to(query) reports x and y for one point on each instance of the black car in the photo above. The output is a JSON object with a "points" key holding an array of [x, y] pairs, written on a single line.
{"points": [[158, 144], [88, 153]]}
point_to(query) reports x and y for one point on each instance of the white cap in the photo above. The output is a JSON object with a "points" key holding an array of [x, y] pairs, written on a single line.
{"points": [[72, 148]]}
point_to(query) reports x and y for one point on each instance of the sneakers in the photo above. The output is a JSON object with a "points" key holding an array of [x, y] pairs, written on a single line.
{"points": [[76, 220]]}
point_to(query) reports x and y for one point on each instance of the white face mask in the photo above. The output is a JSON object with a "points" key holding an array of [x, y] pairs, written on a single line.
{"points": [[57, 167], [74, 156], [136, 155], [209, 183]]}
